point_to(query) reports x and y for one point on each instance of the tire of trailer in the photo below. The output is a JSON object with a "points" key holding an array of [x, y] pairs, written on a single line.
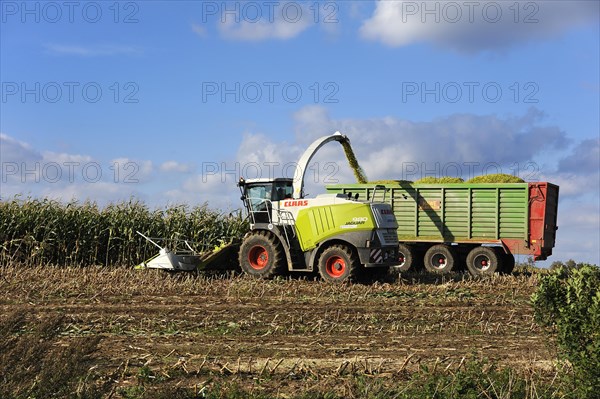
{"points": [[483, 261], [407, 257], [440, 259], [261, 255], [338, 264], [508, 262]]}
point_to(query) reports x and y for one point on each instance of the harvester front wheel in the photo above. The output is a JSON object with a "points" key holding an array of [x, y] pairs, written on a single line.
{"points": [[338, 263], [261, 255]]}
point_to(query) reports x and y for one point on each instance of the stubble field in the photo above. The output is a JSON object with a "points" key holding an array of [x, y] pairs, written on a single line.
{"points": [[137, 334]]}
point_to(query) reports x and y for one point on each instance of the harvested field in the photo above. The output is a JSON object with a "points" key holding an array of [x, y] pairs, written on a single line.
{"points": [[284, 337]]}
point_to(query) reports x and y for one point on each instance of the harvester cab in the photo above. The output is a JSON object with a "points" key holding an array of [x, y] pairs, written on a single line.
{"points": [[335, 234]]}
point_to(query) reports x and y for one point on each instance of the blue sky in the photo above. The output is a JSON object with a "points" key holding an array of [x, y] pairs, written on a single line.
{"points": [[171, 101]]}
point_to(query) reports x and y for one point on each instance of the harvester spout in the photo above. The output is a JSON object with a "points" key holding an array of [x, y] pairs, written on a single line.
{"points": [[298, 184]]}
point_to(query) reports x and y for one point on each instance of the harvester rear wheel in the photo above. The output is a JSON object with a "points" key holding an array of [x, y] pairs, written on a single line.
{"points": [[261, 255], [338, 263], [440, 259], [483, 261]]}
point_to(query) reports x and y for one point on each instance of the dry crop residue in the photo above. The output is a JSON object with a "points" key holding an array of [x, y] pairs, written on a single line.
{"points": [[192, 328]]}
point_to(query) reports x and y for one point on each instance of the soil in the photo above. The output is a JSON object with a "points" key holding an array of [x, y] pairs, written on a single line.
{"points": [[188, 329]]}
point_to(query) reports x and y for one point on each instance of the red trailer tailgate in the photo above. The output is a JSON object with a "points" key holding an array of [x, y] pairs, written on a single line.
{"points": [[543, 211]]}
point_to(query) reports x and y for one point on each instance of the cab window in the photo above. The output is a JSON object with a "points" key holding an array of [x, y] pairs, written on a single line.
{"points": [[283, 190]]}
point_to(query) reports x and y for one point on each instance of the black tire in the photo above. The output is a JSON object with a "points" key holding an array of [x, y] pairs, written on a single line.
{"points": [[261, 255], [483, 261], [508, 262], [338, 264], [440, 259], [407, 257]]}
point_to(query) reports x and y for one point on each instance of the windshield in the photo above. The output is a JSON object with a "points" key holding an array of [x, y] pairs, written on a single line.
{"points": [[258, 195]]}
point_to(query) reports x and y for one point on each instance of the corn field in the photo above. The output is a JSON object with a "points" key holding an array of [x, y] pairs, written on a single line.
{"points": [[44, 231]]}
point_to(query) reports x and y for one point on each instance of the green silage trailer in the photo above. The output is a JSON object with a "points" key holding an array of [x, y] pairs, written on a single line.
{"points": [[481, 225]]}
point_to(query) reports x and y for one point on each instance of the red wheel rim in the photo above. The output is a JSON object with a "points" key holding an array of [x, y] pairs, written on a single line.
{"points": [[258, 257], [482, 262], [438, 261], [401, 259], [335, 266]]}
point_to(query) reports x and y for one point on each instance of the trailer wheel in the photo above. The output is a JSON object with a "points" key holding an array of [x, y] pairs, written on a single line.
{"points": [[261, 255], [440, 259], [338, 264], [406, 259], [508, 263], [483, 261]]}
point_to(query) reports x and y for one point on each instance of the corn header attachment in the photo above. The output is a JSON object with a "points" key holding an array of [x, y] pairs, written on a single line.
{"points": [[185, 255]]}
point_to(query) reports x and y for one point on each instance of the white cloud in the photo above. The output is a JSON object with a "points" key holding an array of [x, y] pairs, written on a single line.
{"points": [[65, 158], [474, 26], [286, 21], [174, 166], [28, 171], [134, 170], [578, 231], [389, 147], [13, 150], [200, 30], [262, 30], [101, 192], [99, 50]]}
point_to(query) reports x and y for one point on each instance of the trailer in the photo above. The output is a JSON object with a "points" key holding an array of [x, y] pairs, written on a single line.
{"points": [[483, 225]]}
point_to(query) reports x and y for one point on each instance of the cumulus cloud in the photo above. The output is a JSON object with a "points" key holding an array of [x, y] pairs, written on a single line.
{"points": [[174, 166], [474, 26], [92, 50], [131, 170], [585, 158], [64, 176], [255, 22], [578, 231], [13, 150], [388, 146], [262, 30]]}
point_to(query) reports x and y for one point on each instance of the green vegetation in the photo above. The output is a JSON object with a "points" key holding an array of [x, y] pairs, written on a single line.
{"points": [[391, 182], [44, 231], [358, 172], [493, 178], [496, 178], [439, 180], [568, 301]]}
